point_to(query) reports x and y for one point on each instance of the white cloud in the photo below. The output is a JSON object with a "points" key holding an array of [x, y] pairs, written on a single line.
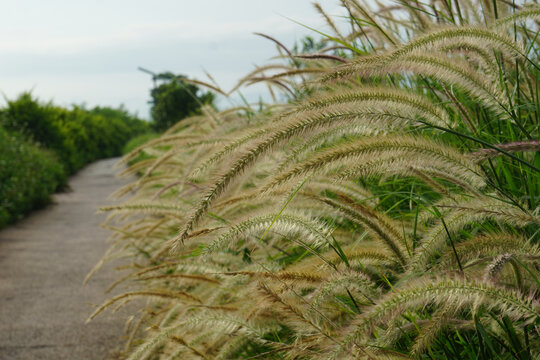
{"points": [[75, 51], [189, 31]]}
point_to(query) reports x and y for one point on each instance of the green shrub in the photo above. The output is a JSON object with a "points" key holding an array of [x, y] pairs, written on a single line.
{"points": [[28, 175], [138, 141], [136, 126], [78, 136], [37, 122], [40, 143]]}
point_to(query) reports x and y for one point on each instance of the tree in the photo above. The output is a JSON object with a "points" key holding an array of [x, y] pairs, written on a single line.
{"points": [[174, 99]]}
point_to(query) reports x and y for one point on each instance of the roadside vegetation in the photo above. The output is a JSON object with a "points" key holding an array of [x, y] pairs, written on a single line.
{"points": [[388, 209], [173, 99], [41, 144], [136, 142], [28, 175]]}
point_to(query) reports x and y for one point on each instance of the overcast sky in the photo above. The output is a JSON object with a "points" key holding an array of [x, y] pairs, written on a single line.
{"points": [[75, 51]]}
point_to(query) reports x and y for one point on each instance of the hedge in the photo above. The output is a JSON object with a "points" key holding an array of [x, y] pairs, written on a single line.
{"points": [[78, 136], [28, 175], [40, 144]]}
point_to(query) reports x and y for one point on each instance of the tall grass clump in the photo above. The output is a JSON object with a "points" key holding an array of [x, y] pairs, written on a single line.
{"points": [[388, 209]]}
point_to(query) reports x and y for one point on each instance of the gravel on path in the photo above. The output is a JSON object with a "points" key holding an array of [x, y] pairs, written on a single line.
{"points": [[43, 262]]}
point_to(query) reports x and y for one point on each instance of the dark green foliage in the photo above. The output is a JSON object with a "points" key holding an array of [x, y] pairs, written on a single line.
{"points": [[136, 142], [175, 99], [135, 125], [78, 136], [28, 175], [38, 122], [139, 140], [41, 143]]}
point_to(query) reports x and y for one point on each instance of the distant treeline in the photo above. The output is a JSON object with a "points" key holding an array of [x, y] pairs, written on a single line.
{"points": [[41, 144]]}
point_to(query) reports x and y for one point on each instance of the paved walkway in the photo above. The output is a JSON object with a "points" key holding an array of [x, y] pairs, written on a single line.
{"points": [[43, 261]]}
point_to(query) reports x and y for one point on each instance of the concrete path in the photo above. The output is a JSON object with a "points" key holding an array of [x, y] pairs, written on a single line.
{"points": [[43, 261]]}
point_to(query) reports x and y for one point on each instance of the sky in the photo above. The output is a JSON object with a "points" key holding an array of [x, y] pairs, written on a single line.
{"points": [[88, 52]]}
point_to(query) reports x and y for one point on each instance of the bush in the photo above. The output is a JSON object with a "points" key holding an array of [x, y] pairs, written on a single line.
{"points": [[28, 175], [78, 136], [38, 122], [41, 143], [138, 141], [136, 126]]}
